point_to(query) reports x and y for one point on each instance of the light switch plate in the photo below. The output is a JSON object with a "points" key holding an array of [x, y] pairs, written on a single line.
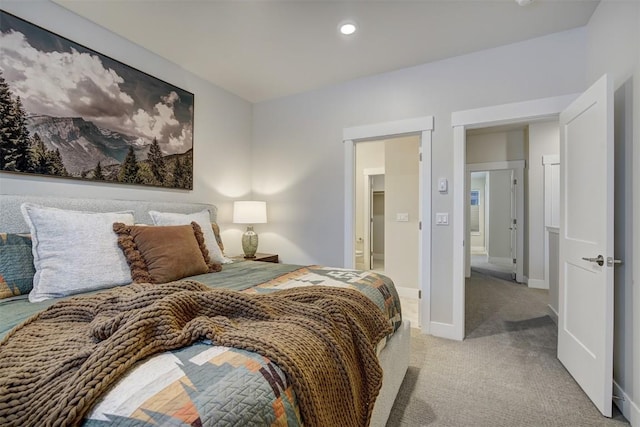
{"points": [[442, 218], [443, 185], [402, 217]]}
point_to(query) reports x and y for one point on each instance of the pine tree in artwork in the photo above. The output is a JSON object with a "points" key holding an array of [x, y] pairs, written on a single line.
{"points": [[56, 166], [6, 122], [21, 143], [178, 174], [97, 173], [39, 156], [156, 162], [187, 165], [129, 169]]}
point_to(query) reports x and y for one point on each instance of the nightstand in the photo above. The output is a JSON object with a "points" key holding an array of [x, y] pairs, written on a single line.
{"points": [[259, 257]]}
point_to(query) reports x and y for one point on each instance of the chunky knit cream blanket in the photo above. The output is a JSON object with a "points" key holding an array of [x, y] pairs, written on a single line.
{"points": [[58, 363]]}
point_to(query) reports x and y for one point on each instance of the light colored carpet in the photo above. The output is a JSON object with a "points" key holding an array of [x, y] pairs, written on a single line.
{"points": [[505, 373]]}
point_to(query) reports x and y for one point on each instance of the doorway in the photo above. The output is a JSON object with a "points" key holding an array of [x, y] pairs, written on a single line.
{"points": [[422, 128], [529, 111], [491, 239], [585, 326], [387, 208], [499, 248], [369, 225]]}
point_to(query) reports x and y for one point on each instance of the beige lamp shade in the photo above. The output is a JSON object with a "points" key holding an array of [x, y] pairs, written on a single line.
{"points": [[249, 212]]}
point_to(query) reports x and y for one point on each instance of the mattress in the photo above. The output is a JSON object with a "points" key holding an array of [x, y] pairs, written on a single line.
{"points": [[205, 384]]}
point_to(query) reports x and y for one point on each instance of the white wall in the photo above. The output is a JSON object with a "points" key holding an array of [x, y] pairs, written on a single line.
{"points": [[222, 132], [613, 40], [297, 140], [544, 138]]}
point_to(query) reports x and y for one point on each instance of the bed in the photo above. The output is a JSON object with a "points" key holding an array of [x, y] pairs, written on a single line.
{"points": [[206, 384]]}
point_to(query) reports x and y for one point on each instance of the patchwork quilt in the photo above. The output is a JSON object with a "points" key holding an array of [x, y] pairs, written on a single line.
{"points": [[205, 384]]}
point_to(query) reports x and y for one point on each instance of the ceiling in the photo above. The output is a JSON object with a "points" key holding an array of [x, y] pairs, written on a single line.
{"points": [[265, 49]]}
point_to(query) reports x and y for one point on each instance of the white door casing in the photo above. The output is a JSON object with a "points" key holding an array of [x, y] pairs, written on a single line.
{"points": [[585, 324]]}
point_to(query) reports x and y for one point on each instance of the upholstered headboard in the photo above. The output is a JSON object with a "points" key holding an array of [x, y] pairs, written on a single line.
{"points": [[11, 220]]}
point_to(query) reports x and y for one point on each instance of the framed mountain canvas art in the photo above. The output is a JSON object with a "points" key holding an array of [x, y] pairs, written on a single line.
{"points": [[68, 111]]}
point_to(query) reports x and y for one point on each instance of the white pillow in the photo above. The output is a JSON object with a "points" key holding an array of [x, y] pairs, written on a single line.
{"points": [[203, 218], [74, 251]]}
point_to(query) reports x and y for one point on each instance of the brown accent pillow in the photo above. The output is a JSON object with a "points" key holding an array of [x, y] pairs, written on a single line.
{"points": [[160, 254]]}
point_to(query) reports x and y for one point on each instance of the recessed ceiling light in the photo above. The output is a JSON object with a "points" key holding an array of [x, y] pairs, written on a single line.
{"points": [[524, 2], [348, 28]]}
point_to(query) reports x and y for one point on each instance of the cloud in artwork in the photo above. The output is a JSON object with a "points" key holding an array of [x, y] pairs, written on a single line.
{"points": [[161, 123], [62, 83], [78, 84]]}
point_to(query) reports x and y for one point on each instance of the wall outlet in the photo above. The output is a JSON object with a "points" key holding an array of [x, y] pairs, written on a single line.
{"points": [[402, 217], [442, 219]]}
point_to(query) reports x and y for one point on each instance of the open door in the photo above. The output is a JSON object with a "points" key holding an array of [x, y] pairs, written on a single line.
{"points": [[585, 323]]}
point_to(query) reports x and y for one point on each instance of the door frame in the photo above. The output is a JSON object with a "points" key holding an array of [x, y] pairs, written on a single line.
{"points": [[527, 111], [422, 126], [518, 167], [367, 243]]}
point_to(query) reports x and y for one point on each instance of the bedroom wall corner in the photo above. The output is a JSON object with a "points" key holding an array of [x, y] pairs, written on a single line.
{"points": [[222, 125]]}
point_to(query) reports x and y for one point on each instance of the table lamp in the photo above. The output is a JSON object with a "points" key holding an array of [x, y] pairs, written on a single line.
{"points": [[249, 212]]}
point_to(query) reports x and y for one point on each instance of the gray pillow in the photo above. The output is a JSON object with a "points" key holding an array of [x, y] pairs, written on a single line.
{"points": [[74, 251], [203, 218]]}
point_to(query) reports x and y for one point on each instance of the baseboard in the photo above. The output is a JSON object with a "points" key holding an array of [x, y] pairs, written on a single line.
{"points": [[629, 409], [537, 283], [408, 292], [444, 330], [553, 314]]}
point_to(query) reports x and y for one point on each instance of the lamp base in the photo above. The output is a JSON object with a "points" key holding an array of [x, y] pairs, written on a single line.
{"points": [[249, 242]]}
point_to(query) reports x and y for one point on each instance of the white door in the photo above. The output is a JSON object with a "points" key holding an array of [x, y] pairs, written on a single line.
{"points": [[585, 329]]}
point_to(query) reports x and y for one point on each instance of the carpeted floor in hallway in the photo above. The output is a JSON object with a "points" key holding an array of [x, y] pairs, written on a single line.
{"points": [[505, 373]]}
